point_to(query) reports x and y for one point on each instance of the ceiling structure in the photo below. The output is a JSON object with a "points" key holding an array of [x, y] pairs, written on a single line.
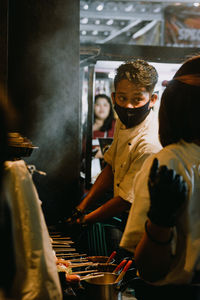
{"points": [[112, 31], [109, 29], [125, 21]]}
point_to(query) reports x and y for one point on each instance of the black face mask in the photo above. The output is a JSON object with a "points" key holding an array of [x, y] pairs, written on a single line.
{"points": [[131, 117]]}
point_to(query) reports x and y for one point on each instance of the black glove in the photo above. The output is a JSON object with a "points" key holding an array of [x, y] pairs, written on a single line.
{"points": [[76, 214], [168, 192]]}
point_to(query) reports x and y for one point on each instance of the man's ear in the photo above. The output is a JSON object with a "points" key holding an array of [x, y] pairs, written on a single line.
{"points": [[153, 100], [113, 97]]}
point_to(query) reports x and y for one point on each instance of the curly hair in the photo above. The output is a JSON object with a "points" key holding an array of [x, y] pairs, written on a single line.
{"points": [[139, 72], [108, 121]]}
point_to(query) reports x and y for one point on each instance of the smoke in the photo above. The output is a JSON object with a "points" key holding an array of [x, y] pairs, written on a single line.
{"points": [[57, 112]]}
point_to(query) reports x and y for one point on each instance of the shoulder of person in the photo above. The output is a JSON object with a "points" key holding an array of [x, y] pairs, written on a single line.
{"points": [[14, 166], [173, 156], [146, 146]]}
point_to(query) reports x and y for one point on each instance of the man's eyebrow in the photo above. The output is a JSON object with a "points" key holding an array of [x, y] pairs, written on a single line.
{"points": [[136, 94]]}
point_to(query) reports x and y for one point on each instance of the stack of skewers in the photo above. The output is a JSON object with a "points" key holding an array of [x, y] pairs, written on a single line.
{"points": [[74, 267], [70, 261]]}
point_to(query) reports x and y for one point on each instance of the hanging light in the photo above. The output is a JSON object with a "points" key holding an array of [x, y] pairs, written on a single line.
{"points": [[84, 21], [157, 10], [128, 8], [100, 7], [110, 22], [111, 75], [85, 6], [94, 32]]}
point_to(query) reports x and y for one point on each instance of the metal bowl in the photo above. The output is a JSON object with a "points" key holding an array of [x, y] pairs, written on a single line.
{"points": [[103, 288]]}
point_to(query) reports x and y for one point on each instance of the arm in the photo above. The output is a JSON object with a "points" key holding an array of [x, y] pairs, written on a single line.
{"points": [[168, 192], [111, 208], [101, 185], [98, 153], [153, 259]]}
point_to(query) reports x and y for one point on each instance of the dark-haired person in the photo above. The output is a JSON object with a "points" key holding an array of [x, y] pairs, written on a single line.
{"points": [[135, 138], [179, 132], [103, 127], [104, 120]]}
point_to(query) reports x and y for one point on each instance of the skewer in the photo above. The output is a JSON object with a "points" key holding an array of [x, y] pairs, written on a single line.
{"points": [[120, 266], [81, 265], [79, 259], [61, 246], [111, 257], [65, 249], [61, 260], [61, 237], [75, 265], [83, 272], [61, 243], [71, 254], [89, 277], [121, 275]]}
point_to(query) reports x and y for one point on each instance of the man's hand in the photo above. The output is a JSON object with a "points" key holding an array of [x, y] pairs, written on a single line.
{"points": [[168, 192], [76, 214], [74, 224]]}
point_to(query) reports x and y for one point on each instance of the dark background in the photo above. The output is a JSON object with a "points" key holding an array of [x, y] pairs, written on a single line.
{"points": [[43, 84]]}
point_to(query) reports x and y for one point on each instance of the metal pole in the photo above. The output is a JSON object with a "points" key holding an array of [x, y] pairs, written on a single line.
{"points": [[90, 116], [162, 32]]}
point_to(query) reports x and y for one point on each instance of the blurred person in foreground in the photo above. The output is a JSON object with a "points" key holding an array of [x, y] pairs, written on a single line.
{"points": [[28, 268]]}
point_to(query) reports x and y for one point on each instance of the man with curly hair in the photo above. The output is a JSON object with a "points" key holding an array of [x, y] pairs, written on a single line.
{"points": [[135, 138]]}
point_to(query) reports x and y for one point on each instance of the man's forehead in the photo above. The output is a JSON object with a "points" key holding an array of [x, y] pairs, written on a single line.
{"points": [[135, 90], [126, 85]]}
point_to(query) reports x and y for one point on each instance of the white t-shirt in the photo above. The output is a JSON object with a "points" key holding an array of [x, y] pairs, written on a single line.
{"points": [[128, 152], [36, 273], [184, 158]]}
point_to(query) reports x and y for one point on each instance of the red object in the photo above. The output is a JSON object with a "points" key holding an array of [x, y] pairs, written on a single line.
{"points": [[120, 266], [121, 275], [127, 266], [100, 134], [111, 256]]}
